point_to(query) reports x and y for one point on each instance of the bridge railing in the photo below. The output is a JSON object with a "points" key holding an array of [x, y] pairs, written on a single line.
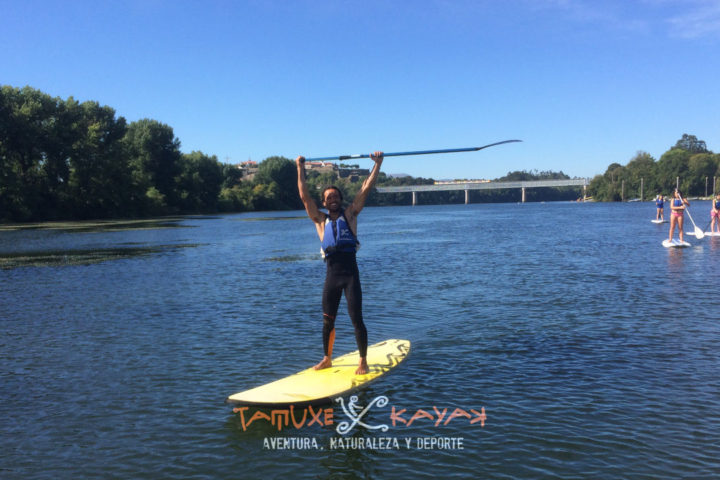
{"points": [[467, 186], [579, 182]]}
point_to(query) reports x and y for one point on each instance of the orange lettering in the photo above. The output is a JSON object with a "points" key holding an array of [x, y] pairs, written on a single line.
{"points": [[279, 414], [241, 411], [458, 412], [329, 416], [258, 415], [481, 417], [315, 417], [292, 415], [420, 414], [395, 416], [440, 416]]}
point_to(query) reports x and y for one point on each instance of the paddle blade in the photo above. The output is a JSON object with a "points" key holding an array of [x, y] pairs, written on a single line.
{"points": [[699, 233], [417, 152]]}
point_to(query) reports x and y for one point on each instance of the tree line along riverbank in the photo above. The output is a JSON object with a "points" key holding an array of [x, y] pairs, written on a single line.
{"points": [[70, 160]]}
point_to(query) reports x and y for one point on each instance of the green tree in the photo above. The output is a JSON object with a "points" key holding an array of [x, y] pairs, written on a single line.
{"points": [[265, 196], [25, 116], [672, 165], [702, 167], [640, 170], [608, 187], [690, 143], [154, 154], [200, 181], [60, 140], [689, 161], [237, 198], [60, 159], [99, 176], [282, 173], [231, 175]]}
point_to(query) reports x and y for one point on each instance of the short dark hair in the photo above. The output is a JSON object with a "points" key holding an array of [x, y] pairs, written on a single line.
{"points": [[332, 187]]}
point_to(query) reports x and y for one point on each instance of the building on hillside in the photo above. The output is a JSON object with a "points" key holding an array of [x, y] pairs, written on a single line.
{"points": [[353, 174], [248, 169], [320, 167]]}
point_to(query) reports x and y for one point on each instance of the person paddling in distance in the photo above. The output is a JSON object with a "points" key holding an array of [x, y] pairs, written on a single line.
{"points": [[676, 216], [337, 231], [660, 204], [715, 215]]}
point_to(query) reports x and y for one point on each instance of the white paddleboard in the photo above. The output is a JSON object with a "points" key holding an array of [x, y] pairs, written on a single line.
{"points": [[659, 221], [675, 244], [315, 387]]}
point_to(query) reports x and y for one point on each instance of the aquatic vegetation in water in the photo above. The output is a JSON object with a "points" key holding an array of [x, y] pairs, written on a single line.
{"points": [[294, 258], [98, 226], [265, 219], [62, 258]]}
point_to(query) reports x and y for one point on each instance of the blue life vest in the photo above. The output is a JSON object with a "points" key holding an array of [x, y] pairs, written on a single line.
{"points": [[660, 203], [338, 236], [717, 204], [677, 203]]}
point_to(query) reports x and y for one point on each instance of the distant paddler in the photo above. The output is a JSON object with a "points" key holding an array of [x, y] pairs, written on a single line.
{"points": [[715, 215], [660, 205]]}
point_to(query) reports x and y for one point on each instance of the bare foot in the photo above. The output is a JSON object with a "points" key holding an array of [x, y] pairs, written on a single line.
{"points": [[325, 363], [363, 368]]}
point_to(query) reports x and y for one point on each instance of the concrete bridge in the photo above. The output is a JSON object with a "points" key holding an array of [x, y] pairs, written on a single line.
{"points": [[467, 186]]}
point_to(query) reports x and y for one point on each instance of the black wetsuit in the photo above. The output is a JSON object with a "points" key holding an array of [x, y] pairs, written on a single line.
{"points": [[343, 276]]}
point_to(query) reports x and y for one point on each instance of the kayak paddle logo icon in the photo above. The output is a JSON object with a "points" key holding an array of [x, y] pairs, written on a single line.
{"points": [[356, 413]]}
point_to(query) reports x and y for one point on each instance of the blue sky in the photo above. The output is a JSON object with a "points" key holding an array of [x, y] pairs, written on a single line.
{"points": [[583, 83]]}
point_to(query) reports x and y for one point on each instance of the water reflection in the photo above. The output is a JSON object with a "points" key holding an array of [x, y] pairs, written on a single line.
{"points": [[352, 462], [714, 243]]}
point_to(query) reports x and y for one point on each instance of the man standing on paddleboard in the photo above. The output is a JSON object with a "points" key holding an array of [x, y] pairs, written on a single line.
{"points": [[337, 231]]}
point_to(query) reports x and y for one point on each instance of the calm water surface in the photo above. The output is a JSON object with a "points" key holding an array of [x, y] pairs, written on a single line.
{"points": [[592, 349]]}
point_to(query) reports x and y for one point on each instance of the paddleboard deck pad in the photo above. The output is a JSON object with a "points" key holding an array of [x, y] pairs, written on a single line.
{"points": [[316, 387], [675, 244]]}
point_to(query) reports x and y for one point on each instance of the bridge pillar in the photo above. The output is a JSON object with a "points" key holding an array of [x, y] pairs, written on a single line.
{"points": [[414, 194], [523, 194], [467, 197]]}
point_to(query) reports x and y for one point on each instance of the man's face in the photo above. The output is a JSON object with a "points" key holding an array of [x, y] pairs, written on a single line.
{"points": [[332, 200]]}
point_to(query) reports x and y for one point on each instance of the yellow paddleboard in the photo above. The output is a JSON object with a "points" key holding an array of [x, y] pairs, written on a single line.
{"points": [[311, 387]]}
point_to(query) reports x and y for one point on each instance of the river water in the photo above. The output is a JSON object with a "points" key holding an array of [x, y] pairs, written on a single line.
{"points": [[554, 340]]}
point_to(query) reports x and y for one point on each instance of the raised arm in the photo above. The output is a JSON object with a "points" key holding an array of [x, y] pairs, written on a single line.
{"points": [[310, 205], [359, 201]]}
